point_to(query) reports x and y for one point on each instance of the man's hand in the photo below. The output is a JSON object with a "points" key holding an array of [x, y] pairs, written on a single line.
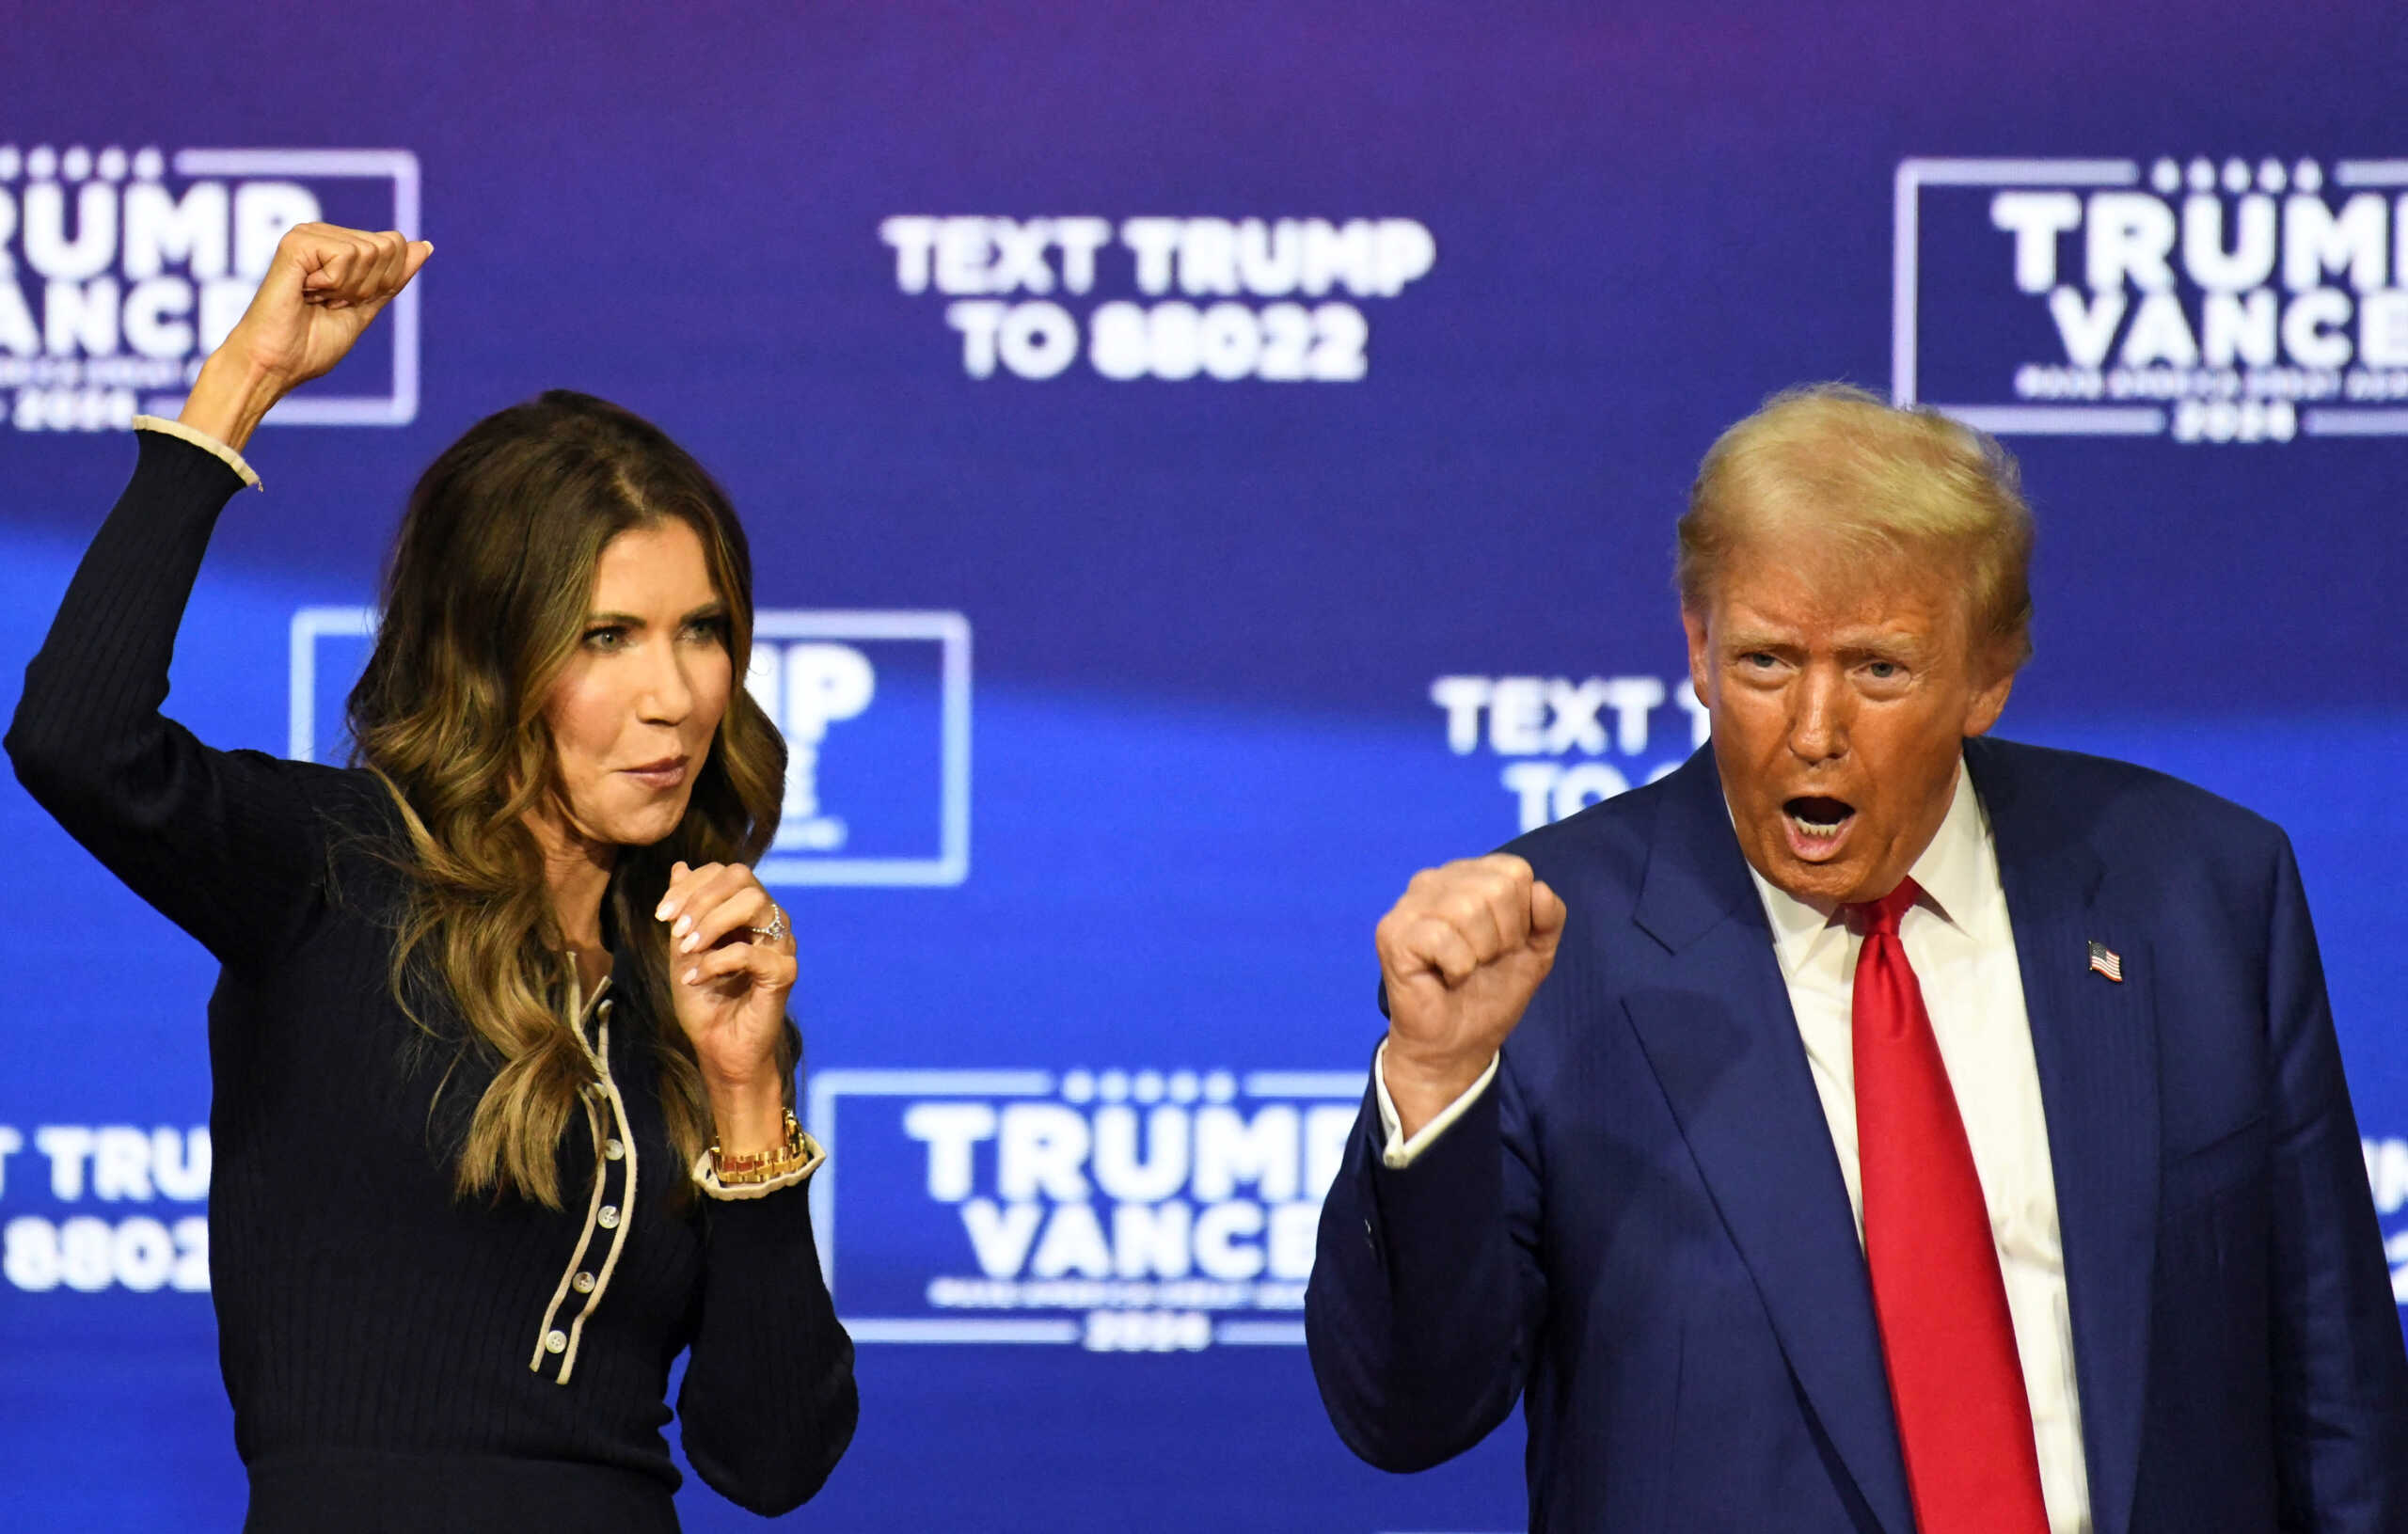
{"points": [[1461, 955], [322, 288]]}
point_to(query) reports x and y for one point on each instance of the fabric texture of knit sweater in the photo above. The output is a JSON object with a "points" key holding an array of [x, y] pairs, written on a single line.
{"points": [[387, 1344]]}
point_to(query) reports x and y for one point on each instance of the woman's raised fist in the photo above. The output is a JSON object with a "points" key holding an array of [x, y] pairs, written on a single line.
{"points": [[322, 288]]}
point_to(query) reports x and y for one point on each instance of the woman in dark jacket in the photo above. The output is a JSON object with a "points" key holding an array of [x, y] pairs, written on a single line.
{"points": [[501, 1071]]}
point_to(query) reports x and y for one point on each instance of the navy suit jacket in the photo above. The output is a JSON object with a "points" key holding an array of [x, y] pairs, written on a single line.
{"points": [[1640, 1228]]}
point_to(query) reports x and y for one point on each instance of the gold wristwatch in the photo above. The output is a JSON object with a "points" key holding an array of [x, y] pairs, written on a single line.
{"points": [[793, 1155]]}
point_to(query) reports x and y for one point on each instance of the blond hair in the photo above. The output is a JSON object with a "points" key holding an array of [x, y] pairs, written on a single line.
{"points": [[1880, 481]]}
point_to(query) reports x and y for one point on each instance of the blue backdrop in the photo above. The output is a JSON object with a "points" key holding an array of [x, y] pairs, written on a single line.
{"points": [[1200, 467]]}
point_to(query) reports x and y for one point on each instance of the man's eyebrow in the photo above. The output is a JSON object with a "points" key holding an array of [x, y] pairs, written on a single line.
{"points": [[1756, 639], [1882, 642]]}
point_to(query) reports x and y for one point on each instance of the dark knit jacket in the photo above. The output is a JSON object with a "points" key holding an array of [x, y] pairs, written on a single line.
{"points": [[382, 1339]]}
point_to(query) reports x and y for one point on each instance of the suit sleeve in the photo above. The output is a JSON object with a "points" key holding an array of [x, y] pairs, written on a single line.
{"points": [[224, 843], [2340, 1371], [769, 1402], [1427, 1295]]}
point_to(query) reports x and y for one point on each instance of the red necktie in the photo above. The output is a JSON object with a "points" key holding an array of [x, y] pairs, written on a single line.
{"points": [[1964, 1422]]}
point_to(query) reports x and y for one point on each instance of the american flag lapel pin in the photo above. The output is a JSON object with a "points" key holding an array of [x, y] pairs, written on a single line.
{"points": [[2104, 961]]}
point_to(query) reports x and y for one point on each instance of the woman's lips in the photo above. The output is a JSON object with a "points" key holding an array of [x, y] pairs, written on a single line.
{"points": [[667, 774]]}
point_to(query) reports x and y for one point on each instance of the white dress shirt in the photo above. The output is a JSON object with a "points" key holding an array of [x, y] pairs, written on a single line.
{"points": [[1958, 940]]}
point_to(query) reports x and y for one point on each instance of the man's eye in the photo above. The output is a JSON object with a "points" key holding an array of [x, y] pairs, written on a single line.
{"points": [[1758, 659], [1884, 669]]}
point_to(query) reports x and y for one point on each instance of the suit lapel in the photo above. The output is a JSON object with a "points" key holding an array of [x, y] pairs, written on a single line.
{"points": [[1723, 1042], [2094, 1041]]}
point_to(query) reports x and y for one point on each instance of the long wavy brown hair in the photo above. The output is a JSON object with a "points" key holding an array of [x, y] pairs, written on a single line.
{"points": [[484, 600]]}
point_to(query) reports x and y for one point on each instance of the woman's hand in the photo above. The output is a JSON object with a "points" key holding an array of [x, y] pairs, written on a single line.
{"points": [[730, 984], [322, 288]]}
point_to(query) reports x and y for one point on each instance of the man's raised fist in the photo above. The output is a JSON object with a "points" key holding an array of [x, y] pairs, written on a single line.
{"points": [[1461, 955]]}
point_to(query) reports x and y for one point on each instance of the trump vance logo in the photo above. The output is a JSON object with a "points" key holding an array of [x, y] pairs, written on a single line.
{"points": [[120, 272], [1121, 1210], [2232, 300]]}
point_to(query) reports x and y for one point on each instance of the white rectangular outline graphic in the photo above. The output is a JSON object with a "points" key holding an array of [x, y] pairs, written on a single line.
{"points": [[2074, 421], [949, 630], [952, 863], [819, 1117], [309, 626], [2001, 419], [2356, 173], [398, 407]]}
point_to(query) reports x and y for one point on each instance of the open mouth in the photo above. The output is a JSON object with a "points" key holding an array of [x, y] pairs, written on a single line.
{"points": [[1816, 821]]}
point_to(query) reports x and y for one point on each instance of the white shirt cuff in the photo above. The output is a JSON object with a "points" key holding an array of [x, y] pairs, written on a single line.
{"points": [[1399, 1152], [202, 440]]}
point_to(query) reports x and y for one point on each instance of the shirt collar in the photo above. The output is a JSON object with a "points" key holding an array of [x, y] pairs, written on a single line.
{"points": [[1949, 871]]}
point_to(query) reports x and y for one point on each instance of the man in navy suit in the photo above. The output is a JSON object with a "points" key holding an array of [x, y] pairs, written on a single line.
{"points": [[1870, 1126]]}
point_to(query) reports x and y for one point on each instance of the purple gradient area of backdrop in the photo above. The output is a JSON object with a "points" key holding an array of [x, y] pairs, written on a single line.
{"points": [[1207, 614]]}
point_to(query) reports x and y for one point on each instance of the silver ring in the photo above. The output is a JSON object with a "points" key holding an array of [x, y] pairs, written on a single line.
{"points": [[776, 931]]}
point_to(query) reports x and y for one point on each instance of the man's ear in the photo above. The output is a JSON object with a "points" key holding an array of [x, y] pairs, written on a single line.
{"points": [[1701, 657], [1986, 705]]}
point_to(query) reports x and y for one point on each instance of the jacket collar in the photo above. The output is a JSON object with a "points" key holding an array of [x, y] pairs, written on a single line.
{"points": [[1719, 1032]]}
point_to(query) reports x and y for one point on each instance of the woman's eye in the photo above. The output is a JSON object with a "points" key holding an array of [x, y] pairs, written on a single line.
{"points": [[712, 629], [610, 637]]}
